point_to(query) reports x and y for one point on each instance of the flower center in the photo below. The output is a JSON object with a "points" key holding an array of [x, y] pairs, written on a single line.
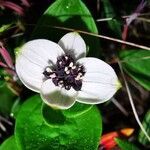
{"points": [[66, 73]]}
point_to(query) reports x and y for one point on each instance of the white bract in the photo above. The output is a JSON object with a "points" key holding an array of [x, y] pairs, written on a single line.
{"points": [[62, 74]]}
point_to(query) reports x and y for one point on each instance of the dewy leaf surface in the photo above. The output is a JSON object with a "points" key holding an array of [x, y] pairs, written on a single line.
{"points": [[41, 127], [70, 14]]}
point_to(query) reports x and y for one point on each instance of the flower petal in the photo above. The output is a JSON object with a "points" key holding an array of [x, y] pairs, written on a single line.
{"points": [[41, 51], [32, 59], [30, 74], [100, 82], [73, 44], [57, 97]]}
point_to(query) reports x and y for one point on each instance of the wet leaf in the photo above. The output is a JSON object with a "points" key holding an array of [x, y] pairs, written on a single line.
{"points": [[41, 127], [70, 14]]}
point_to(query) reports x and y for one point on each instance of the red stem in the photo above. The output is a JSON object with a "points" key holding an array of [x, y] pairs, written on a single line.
{"points": [[12, 6], [6, 57]]}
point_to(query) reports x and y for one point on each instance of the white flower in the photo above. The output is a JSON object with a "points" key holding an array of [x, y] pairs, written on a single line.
{"points": [[62, 74]]}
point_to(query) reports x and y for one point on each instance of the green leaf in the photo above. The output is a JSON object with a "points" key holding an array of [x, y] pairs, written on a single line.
{"points": [[146, 124], [9, 144], [2, 77], [77, 110], [113, 24], [70, 14], [5, 27], [6, 99], [2, 81], [137, 64], [125, 145], [41, 127], [16, 107]]}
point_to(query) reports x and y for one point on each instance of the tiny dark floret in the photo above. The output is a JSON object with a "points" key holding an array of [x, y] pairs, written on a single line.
{"points": [[66, 73]]}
